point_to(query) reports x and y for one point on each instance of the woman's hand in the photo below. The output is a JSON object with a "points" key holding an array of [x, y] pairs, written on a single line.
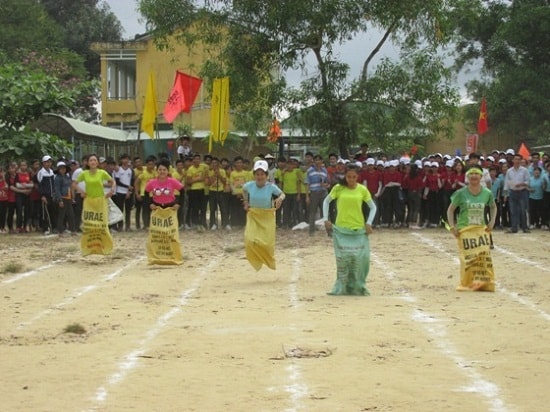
{"points": [[328, 227], [368, 229], [278, 203]]}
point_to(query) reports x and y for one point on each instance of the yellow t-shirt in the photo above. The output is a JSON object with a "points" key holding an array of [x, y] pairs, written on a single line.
{"points": [[144, 177], [217, 184], [180, 177], [290, 181], [194, 172], [238, 179]]}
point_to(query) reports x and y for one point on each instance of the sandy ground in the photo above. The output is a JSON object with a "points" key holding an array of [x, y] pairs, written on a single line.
{"points": [[214, 335]]}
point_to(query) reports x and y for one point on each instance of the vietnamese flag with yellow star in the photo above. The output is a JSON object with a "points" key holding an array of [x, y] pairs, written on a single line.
{"points": [[482, 125]]}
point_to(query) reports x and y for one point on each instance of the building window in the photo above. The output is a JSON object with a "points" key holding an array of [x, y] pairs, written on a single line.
{"points": [[121, 79]]}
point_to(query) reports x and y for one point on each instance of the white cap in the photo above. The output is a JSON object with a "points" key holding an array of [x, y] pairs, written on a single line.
{"points": [[386, 164], [370, 161], [427, 163], [434, 164], [502, 161], [447, 157], [261, 164], [59, 164], [340, 160], [510, 152], [450, 163], [358, 164], [269, 156], [101, 159], [379, 163], [46, 158], [491, 158], [406, 160], [394, 163], [418, 163]]}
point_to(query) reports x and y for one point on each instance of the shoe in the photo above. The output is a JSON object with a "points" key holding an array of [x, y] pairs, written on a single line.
{"points": [[228, 227], [526, 231], [181, 227], [511, 231], [433, 226], [187, 227], [214, 227], [531, 227], [47, 233], [200, 228]]}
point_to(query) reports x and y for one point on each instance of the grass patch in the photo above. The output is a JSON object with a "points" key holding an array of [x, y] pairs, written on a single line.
{"points": [[75, 328], [12, 267]]}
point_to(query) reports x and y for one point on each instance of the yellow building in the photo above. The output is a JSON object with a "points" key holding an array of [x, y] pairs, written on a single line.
{"points": [[125, 68]]}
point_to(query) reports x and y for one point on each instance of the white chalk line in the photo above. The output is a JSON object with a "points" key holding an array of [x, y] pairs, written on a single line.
{"points": [[131, 360], [436, 329], [30, 273], [77, 293], [512, 295], [296, 388], [521, 260]]}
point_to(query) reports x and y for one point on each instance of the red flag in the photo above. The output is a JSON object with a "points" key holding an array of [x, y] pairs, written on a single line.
{"points": [[482, 126], [523, 151], [182, 96]]}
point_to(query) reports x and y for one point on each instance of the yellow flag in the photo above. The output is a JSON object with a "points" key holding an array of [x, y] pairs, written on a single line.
{"points": [[150, 111], [219, 120]]}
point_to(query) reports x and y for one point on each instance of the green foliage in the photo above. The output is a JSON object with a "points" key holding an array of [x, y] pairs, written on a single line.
{"points": [[510, 39], [24, 97], [26, 24], [257, 41], [83, 22], [30, 144]]}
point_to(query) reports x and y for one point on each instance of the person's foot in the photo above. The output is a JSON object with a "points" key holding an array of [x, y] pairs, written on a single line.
{"points": [[214, 227], [526, 231], [511, 231]]}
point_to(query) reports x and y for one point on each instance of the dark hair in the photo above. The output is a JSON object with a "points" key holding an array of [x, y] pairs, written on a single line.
{"points": [[317, 157], [164, 162], [150, 158], [414, 171], [237, 158], [349, 168], [123, 156]]}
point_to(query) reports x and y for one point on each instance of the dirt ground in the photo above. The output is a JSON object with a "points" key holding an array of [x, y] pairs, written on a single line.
{"points": [[214, 335]]}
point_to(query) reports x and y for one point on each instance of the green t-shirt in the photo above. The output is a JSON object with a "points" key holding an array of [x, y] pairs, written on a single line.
{"points": [[349, 204], [471, 207], [94, 182]]}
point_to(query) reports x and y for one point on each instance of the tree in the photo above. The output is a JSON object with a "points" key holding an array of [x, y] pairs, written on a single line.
{"points": [[509, 39], [84, 22], [26, 24], [257, 41], [25, 96]]}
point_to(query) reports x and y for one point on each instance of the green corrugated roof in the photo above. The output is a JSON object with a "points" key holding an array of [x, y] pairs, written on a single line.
{"points": [[67, 127]]}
